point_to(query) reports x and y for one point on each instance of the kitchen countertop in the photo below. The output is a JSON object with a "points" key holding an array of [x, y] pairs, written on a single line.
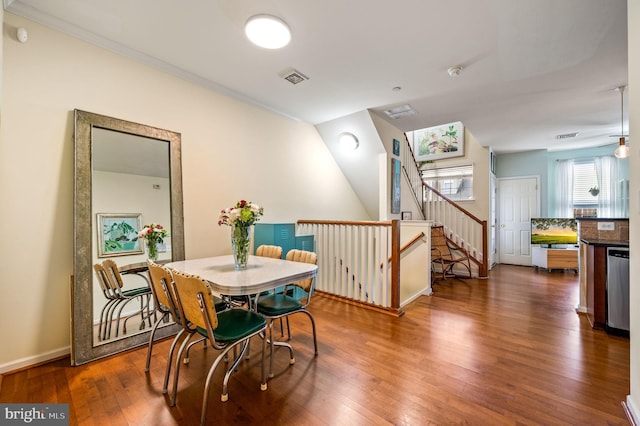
{"points": [[602, 219], [608, 243]]}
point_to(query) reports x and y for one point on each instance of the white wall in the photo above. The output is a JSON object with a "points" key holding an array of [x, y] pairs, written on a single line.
{"points": [[633, 14], [230, 150], [388, 133]]}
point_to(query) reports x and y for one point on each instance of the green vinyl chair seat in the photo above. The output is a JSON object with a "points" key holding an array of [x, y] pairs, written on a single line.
{"points": [[275, 305], [235, 324]]}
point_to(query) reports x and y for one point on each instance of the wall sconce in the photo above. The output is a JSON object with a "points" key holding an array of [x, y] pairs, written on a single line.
{"points": [[267, 31], [348, 141]]}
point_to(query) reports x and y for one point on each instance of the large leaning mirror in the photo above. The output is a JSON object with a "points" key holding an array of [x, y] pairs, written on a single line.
{"points": [[127, 175]]}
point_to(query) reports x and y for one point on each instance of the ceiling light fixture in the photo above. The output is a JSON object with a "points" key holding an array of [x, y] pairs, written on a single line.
{"points": [[455, 71], [267, 31], [348, 141], [622, 151]]}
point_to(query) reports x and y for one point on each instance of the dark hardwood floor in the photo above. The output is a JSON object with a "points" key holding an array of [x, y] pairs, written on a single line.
{"points": [[507, 350]]}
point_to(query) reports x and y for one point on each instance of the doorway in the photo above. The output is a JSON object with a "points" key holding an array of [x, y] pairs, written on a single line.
{"points": [[519, 201]]}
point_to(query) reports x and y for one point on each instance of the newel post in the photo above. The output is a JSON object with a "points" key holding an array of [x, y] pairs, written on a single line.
{"points": [[395, 264]]}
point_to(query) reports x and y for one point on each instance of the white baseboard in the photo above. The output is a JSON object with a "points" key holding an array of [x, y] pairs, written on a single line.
{"points": [[33, 360], [632, 410]]}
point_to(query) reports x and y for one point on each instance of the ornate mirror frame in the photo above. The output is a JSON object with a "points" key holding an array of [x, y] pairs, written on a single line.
{"points": [[82, 347]]}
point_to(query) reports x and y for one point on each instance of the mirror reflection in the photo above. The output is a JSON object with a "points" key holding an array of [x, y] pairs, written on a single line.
{"points": [[127, 175], [130, 189]]}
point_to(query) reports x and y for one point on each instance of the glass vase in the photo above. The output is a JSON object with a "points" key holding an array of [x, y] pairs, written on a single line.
{"points": [[152, 250], [240, 239]]}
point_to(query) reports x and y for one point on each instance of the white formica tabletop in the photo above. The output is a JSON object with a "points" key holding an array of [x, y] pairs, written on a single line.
{"points": [[262, 273]]}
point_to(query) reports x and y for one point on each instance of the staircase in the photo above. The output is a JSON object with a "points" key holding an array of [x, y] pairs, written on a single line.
{"points": [[462, 228]]}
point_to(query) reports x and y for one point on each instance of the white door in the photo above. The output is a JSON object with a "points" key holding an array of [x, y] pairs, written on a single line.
{"points": [[518, 201]]}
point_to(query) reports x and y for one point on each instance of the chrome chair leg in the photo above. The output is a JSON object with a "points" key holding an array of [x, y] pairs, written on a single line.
{"points": [[165, 386], [174, 394], [153, 332]]}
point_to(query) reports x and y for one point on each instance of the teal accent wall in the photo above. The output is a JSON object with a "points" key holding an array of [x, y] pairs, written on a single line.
{"points": [[529, 163], [542, 163]]}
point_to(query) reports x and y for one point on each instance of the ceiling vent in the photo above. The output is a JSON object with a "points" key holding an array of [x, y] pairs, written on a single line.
{"points": [[293, 76], [398, 112], [567, 135]]}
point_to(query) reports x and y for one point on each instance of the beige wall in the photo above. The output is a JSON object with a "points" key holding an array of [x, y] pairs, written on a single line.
{"points": [[230, 150]]}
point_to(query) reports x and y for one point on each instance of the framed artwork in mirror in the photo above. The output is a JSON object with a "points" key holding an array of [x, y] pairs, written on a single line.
{"points": [[118, 234], [438, 142]]}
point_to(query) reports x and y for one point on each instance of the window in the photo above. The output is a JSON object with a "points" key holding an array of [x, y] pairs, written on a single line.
{"points": [[455, 183], [584, 178]]}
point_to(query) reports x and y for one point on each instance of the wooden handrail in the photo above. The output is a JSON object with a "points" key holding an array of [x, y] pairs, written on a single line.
{"points": [[406, 246], [451, 202], [345, 222]]}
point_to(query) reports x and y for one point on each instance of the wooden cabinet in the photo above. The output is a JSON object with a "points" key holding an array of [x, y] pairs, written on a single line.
{"points": [[550, 258], [596, 268]]}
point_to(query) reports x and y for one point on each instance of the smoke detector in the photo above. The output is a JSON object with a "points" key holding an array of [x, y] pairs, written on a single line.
{"points": [[455, 71], [293, 76]]}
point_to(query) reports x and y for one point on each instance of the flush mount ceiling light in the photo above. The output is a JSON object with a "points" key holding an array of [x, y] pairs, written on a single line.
{"points": [[348, 141], [267, 31], [622, 151]]}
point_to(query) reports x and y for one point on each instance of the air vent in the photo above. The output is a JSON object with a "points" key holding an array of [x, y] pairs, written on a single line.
{"points": [[567, 135], [293, 76], [398, 112]]}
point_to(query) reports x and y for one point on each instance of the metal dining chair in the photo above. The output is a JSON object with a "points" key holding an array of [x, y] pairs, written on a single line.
{"points": [[224, 330], [124, 297], [266, 250], [283, 304], [166, 304], [106, 314]]}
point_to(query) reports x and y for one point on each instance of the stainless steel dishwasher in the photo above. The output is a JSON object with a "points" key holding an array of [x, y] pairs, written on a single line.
{"points": [[618, 289]]}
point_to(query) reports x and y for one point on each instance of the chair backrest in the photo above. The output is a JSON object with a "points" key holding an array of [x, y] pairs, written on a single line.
{"points": [[103, 280], [439, 243], [194, 300], [269, 251], [113, 274], [161, 288], [303, 256]]}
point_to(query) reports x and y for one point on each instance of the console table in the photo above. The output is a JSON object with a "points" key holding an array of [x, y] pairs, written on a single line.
{"points": [[550, 258]]}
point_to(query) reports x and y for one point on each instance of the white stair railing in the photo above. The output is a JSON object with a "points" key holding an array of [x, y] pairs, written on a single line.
{"points": [[349, 259]]}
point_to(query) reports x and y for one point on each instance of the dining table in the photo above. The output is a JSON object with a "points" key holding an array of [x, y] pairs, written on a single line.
{"points": [[262, 273]]}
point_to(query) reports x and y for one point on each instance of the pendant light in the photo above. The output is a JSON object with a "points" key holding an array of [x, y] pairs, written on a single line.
{"points": [[622, 151]]}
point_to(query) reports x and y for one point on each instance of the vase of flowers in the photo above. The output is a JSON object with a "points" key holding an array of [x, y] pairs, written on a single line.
{"points": [[241, 218], [153, 235]]}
